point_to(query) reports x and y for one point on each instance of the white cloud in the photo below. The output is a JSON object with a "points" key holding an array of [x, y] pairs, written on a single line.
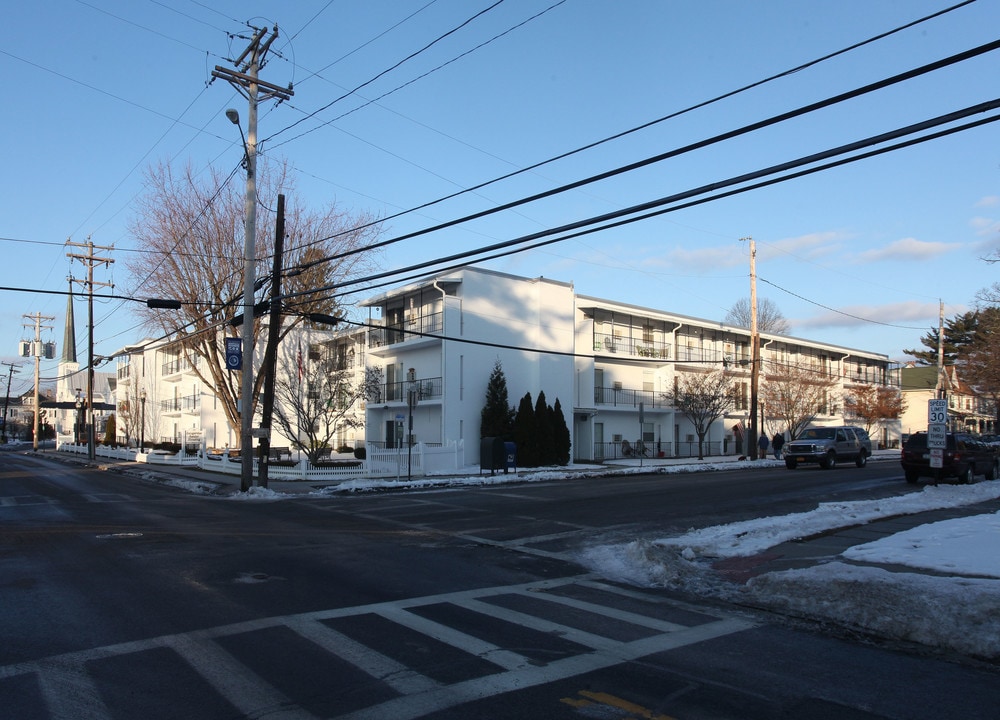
{"points": [[988, 201], [986, 226], [906, 313], [907, 249], [814, 246]]}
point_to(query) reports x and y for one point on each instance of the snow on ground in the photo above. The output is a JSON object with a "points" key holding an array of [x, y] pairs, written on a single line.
{"points": [[957, 610]]}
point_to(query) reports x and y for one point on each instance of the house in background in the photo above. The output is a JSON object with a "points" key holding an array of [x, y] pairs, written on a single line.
{"points": [[967, 410]]}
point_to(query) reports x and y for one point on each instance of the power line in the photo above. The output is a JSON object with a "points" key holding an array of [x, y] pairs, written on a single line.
{"points": [[656, 207], [387, 70], [676, 152], [413, 80], [673, 115]]}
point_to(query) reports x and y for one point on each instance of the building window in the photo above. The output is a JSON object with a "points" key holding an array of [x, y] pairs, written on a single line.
{"points": [[741, 394]]}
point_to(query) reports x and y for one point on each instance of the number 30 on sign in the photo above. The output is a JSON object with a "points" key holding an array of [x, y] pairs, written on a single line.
{"points": [[937, 411]]}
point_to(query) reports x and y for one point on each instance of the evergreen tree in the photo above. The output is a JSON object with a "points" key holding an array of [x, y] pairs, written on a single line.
{"points": [[959, 332], [497, 417], [524, 433], [560, 435], [545, 448]]}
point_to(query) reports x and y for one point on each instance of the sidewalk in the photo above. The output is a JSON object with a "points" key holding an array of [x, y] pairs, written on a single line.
{"points": [[224, 483]]}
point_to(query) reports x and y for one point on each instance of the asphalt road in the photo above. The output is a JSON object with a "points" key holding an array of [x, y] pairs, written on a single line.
{"points": [[127, 599]]}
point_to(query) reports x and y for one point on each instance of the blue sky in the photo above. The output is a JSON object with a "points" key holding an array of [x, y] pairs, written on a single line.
{"points": [[859, 255]]}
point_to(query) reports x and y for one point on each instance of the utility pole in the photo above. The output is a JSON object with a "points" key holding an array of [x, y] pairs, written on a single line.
{"points": [[12, 368], [90, 260], [754, 351], [271, 351], [941, 389], [247, 82], [37, 351]]}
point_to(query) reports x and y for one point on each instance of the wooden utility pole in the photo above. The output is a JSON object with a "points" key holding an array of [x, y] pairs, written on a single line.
{"points": [[247, 82], [90, 260], [37, 351]]}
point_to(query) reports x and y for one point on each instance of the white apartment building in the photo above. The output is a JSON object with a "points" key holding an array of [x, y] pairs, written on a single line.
{"points": [[437, 341], [162, 398]]}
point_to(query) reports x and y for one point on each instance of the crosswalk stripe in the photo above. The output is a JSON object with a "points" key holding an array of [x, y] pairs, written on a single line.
{"points": [[472, 645], [623, 615], [582, 637], [415, 706], [69, 692], [399, 677], [244, 689]]}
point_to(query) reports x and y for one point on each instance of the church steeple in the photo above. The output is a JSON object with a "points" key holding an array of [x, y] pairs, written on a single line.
{"points": [[69, 338]]}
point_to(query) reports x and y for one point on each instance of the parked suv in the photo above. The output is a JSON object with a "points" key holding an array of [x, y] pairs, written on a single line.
{"points": [[828, 446], [964, 457]]}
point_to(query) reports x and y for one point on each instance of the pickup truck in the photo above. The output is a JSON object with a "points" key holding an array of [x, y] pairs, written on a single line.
{"points": [[964, 457]]}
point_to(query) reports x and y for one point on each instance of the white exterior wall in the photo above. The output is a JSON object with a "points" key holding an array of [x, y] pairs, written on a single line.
{"points": [[490, 316]]}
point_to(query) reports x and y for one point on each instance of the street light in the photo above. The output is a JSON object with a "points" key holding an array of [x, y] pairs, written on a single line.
{"points": [[249, 259], [142, 420]]}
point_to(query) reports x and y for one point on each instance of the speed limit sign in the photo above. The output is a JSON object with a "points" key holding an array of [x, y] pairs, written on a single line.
{"points": [[937, 411]]}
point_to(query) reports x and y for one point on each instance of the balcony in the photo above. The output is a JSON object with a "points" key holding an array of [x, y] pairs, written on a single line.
{"points": [[628, 398], [190, 404], [177, 365], [427, 389], [412, 328], [631, 346]]}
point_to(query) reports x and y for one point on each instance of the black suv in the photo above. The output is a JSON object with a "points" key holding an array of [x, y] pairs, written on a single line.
{"points": [[964, 457]]}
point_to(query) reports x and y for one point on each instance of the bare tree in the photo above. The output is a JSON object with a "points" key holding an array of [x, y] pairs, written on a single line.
{"points": [[129, 409], [793, 395], [770, 319], [315, 398], [703, 398], [191, 232], [871, 405]]}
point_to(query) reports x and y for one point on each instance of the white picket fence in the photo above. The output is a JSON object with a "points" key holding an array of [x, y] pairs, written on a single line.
{"points": [[379, 463]]}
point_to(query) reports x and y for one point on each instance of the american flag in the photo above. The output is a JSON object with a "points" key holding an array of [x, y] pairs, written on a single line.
{"points": [[738, 429]]}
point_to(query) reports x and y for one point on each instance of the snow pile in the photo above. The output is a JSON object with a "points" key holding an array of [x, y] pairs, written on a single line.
{"points": [[753, 536], [956, 610]]}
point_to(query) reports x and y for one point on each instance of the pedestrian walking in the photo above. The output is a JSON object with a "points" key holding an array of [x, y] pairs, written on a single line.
{"points": [[762, 446], [777, 443]]}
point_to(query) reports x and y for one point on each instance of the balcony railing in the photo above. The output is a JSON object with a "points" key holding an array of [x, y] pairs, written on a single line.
{"points": [[190, 403], [427, 389], [411, 328], [628, 397], [631, 346], [178, 365]]}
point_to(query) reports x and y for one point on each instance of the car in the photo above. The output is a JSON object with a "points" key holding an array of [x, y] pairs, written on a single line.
{"points": [[828, 446], [963, 457]]}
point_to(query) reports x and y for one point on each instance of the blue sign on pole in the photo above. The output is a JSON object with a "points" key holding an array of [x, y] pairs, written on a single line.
{"points": [[234, 353]]}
